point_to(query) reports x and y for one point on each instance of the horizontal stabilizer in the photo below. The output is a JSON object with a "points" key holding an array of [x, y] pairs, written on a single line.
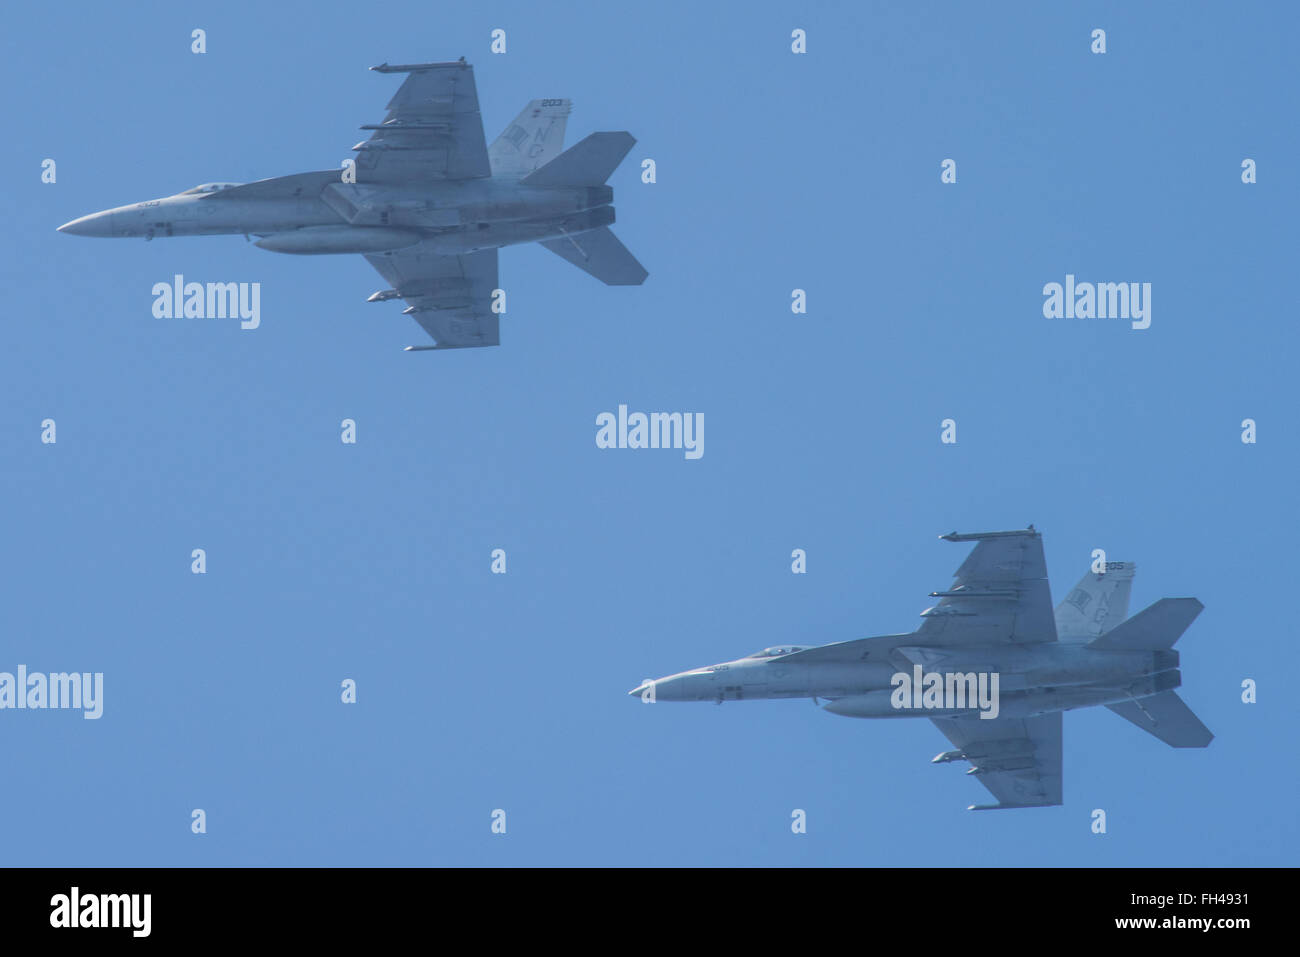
{"points": [[599, 252], [589, 163], [1154, 628], [1167, 717]]}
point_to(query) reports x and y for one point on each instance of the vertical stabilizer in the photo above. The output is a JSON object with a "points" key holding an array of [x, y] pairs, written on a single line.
{"points": [[589, 163], [1097, 604], [534, 139], [1155, 628]]}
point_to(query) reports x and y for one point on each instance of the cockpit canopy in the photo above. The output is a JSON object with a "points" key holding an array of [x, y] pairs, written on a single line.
{"points": [[208, 188], [777, 651]]}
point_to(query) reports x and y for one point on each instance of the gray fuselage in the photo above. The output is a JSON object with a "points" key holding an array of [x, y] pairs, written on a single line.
{"points": [[1032, 678], [313, 213]]}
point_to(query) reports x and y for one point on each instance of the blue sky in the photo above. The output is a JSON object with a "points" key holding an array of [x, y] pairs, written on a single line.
{"points": [[477, 691]]}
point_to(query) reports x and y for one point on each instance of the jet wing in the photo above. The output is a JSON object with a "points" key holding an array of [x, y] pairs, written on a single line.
{"points": [[450, 296], [1017, 759], [1000, 594], [433, 130]]}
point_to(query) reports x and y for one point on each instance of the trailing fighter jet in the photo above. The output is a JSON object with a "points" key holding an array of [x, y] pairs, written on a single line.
{"points": [[427, 202], [991, 665]]}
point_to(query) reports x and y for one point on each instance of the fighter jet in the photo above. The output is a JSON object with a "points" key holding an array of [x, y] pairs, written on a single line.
{"points": [[426, 201], [991, 665]]}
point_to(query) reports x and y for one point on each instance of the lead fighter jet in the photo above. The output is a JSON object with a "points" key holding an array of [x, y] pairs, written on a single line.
{"points": [[429, 204], [995, 619]]}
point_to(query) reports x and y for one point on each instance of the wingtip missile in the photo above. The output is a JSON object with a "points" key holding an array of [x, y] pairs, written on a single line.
{"points": [[980, 536], [387, 67]]}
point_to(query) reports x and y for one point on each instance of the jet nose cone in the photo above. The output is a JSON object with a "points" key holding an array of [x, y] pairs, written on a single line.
{"points": [[96, 224]]}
